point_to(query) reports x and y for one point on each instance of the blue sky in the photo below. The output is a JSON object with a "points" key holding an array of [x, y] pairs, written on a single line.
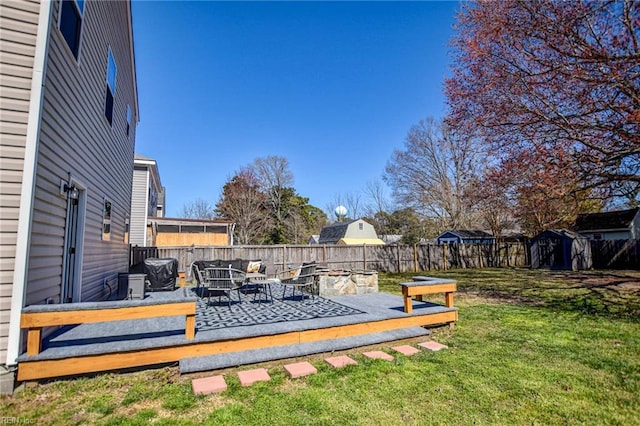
{"points": [[332, 86]]}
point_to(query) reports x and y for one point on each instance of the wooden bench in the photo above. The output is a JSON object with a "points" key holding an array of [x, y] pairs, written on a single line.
{"points": [[427, 285], [35, 317]]}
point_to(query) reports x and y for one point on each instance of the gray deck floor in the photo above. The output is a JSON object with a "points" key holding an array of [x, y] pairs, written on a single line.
{"points": [[217, 321]]}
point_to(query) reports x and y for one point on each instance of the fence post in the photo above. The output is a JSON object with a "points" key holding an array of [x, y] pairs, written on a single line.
{"points": [[284, 257], [444, 257], [415, 258], [364, 257]]}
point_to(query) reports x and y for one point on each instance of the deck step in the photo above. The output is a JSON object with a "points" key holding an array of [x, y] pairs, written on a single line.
{"points": [[233, 359]]}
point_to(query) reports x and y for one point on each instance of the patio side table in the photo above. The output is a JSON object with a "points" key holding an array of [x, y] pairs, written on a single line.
{"points": [[262, 284]]}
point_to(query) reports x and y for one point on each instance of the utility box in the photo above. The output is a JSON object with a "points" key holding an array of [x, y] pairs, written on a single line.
{"points": [[131, 286]]}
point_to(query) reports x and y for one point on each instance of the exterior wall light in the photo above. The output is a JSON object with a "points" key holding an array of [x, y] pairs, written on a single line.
{"points": [[71, 191]]}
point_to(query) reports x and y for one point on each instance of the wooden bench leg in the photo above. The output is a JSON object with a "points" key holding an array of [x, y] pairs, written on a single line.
{"points": [[34, 340], [448, 299], [408, 304], [190, 327]]}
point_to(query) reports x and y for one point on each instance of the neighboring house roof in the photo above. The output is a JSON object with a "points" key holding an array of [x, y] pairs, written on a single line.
{"points": [[331, 234], [615, 220], [468, 234], [179, 220], [314, 239], [345, 232], [560, 233]]}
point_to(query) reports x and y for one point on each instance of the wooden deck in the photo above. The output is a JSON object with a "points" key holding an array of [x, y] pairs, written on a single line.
{"points": [[247, 325]]}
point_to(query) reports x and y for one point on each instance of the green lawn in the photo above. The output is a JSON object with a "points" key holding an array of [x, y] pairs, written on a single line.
{"points": [[531, 347]]}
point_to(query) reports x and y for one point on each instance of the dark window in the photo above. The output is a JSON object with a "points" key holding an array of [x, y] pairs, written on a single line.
{"points": [[191, 229], [71, 23], [108, 106], [174, 229], [216, 229], [597, 236], [112, 72]]}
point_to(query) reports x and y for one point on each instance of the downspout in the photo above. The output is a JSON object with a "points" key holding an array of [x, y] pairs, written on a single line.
{"points": [[23, 243]]}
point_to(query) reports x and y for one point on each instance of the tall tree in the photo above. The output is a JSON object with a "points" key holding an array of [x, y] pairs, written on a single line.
{"points": [[242, 202], [274, 177], [198, 209], [301, 219], [433, 172], [555, 81]]}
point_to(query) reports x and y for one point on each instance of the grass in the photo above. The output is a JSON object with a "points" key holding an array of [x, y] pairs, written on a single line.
{"points": [[531, 347]]}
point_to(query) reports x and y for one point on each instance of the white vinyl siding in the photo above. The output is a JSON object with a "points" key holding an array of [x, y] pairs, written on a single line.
{"points": [[139, 203], [19, 22]]}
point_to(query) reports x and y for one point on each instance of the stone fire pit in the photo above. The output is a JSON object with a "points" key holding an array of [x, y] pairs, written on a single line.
{"points": [[340, 282]]}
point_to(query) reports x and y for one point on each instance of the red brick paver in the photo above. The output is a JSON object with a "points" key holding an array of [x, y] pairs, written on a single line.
{"points": [[406, 350], [340, 361], [378, 355], [249, 377], [433, 346], [300, 369], [207, 385]]}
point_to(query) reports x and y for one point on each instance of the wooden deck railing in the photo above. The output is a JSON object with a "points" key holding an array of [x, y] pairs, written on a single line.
{"points": [[35, 317]]}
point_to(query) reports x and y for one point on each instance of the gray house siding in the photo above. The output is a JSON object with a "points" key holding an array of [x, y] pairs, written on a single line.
{"points": [[73, 142], [138, 221], [77, 141], [19, 22]]}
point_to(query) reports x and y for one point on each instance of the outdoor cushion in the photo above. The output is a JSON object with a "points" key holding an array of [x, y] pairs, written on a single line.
{"points": [[254, 267]]}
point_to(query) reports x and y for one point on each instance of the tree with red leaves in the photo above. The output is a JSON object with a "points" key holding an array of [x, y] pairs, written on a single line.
{"points": [[552, 83], [242, 202]]}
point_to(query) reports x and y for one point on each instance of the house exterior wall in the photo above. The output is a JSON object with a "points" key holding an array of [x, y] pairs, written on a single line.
{"points": [[77, 140], [17, 51], [139, 206], [448, 237], [74, 142], [354, 231], [607, 235], [146, 193]]}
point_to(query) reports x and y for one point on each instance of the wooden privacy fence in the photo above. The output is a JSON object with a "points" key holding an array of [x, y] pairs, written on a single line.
{"points": [[391, 258], [615, 254]]}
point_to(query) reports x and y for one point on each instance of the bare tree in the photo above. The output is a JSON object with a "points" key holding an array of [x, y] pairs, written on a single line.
{"points": [[274, 178], [198, 209], [433, 172], [377, 197], [350, 200]]}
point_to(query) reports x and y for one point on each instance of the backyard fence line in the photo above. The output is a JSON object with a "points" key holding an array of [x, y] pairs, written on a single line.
{"points": [[615, 254], [388, 258]]}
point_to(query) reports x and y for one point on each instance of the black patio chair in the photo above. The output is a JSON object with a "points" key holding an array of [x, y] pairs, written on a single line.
{"points": [[199, 275], [223, 281], [301, 278]]}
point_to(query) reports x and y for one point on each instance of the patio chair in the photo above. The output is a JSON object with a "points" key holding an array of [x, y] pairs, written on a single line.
{"points": [[301, 278], [223, 281], [198, 274]]}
